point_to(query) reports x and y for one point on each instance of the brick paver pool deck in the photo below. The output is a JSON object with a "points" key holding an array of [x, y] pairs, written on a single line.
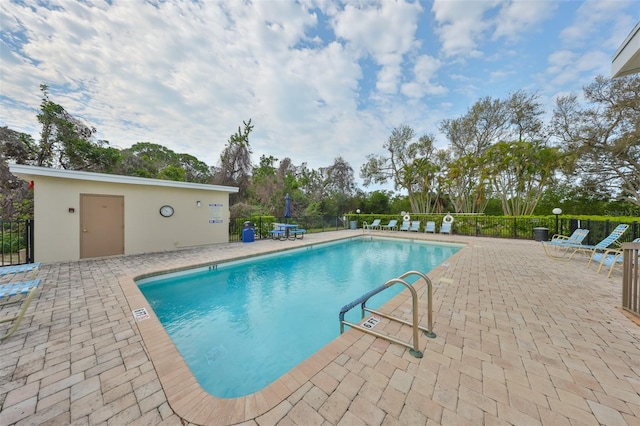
{"points": [[522, 339]]}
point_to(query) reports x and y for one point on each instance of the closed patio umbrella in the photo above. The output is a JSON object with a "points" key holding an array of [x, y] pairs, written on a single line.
{"points": [[287, 206]]}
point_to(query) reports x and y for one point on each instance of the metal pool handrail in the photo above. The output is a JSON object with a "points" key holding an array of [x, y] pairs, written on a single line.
{"points": [[362, 300]]}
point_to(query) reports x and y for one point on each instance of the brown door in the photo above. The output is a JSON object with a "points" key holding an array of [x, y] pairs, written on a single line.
{"points": [[101, 225]]}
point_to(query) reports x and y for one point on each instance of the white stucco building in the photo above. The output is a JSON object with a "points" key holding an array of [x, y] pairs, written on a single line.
{"points": [[82, 215]]}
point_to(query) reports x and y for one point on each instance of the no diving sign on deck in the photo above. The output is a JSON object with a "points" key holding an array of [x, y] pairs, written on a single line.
{"points": [[140, 314]]}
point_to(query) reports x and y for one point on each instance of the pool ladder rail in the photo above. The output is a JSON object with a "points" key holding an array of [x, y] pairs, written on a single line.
{"points": [[362, 300]]}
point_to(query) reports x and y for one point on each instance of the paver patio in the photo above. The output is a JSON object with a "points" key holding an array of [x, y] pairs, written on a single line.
{"points": [[521, 339]]}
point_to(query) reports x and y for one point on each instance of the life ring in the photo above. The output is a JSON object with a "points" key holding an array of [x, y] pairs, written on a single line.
{"points": [[448, 218], [406, 218]]}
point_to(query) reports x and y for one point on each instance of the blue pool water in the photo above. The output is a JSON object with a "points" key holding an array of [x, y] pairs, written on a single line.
{"points": [[246, 323]]}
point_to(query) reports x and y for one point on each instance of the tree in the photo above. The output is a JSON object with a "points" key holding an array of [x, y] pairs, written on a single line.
{"points": [[487, 122], [463, 183], [234, 167], [264, 183], [339, 183], [15, 198], [603, 136], [17, 147], [378, 202], [483, 124], [410, 165], [150, 160], [66, 141], [519, 172]]}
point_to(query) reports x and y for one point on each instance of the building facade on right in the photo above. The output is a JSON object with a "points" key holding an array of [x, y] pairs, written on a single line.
{"points": [[626, 60]]}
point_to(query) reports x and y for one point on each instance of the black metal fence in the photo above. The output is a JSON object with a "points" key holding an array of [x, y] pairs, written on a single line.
{"points": [[263, 224], [17, 242], [509, 227], [18, 237]]}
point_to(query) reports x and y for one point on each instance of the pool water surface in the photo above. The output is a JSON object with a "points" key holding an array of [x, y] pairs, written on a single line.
{"points": [[243, 324]]}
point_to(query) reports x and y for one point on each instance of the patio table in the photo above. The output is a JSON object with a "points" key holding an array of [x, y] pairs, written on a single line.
{"points": [[287, 227]]}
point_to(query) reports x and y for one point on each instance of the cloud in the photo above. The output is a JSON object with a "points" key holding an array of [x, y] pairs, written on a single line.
{"points": [[583, 41], [589, 18], [461, 25], [424, 71], [319, 79], [518, 17], [361, 27]]}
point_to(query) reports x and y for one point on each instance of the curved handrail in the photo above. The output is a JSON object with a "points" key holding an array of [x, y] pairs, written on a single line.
{"points": [[413, 348], [429, 331]]}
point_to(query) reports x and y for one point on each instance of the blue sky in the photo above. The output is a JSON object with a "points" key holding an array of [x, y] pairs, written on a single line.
{"points": [[319, 79]]}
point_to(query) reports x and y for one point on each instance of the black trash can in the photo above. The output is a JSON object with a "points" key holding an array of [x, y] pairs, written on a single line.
{"points": [[248, 232], [541, 234]]}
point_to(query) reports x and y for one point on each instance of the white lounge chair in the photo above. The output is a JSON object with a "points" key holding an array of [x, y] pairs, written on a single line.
{"points": [[14, 293], [391, 226], [374, 225]]}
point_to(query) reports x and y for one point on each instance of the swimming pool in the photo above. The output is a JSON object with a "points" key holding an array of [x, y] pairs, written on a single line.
{"points": [[243, 324]]}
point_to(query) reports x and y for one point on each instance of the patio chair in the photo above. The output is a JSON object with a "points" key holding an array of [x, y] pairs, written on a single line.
{"points": [[14, 293], [391, 226], [415, 226], [592, 249], [576, 238], [374, 225], [447, 222], [559, 242], [430, 227], [31, 269], [610, 258], [405, 225], [445, 228]]}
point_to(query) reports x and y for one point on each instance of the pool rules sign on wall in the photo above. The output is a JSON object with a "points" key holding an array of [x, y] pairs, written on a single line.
{"points": [[215, 213]]}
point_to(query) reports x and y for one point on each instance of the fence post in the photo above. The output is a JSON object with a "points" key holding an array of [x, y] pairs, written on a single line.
{"points": [[29, 241]]}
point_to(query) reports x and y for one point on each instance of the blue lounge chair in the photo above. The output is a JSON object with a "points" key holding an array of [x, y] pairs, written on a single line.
{"points": [[30, 269], [576, 238], [446, 228], [391, 226], [610, 258], [405, 225], [430, 227], [415, 226], [559, 242], [591, 249], [13, 293], [374, 225], [447, 222]]}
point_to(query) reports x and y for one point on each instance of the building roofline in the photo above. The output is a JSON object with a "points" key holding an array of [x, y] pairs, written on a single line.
{"points": [[23, 170], [626, 60]]}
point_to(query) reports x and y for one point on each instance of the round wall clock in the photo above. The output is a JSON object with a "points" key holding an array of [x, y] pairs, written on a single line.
{"points": [[166, 211]]}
